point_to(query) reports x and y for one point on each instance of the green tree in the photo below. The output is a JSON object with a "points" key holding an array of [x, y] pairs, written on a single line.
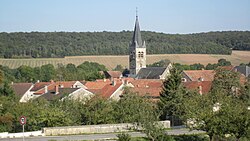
{"points": [[25, 74], [119, 68], [47, 72], [99, 111], [217, 114], [132, 108], [223, 62], [1, 77], [161, 63], [227, 81], [171, 97]]}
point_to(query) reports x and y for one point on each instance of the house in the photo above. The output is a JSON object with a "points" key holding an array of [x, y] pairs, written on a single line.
{"points": [[60, 89], [112, 74], [202, 87], [109, 89], [197, 75], [245, 70], [154, 72], [149, 88], [72, 93], [23, 91]]}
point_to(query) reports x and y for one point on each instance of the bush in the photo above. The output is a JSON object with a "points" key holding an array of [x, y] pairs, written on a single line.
{"points": [[124, 137]]}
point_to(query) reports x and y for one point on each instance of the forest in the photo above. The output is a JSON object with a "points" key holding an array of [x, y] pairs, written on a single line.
{"points": [[60, 44]]}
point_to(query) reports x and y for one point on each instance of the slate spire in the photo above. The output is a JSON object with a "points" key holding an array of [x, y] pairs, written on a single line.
{"points": [[137, 34]]}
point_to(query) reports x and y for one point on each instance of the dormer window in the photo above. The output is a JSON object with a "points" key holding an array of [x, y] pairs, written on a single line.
{"points": [[183, 79]]}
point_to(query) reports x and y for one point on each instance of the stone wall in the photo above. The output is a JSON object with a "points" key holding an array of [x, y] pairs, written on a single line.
{"points": [[20, 135], [93, 129]]}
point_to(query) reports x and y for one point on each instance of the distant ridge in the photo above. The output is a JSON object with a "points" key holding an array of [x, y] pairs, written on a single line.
{"points": [[60, 44]]}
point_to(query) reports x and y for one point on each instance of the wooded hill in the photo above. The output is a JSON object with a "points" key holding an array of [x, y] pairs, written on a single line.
{"points": [[60, 44]]}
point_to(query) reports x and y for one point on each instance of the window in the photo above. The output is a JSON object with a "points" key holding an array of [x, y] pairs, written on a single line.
{"points": [[140, 54]]}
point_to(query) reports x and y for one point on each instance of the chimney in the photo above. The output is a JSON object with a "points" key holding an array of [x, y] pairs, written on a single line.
{"points": [[37, 81], [104, 80], [201, 79], [12, 83], [56, 89], [200, 90], [113, 83], [45, 89]]}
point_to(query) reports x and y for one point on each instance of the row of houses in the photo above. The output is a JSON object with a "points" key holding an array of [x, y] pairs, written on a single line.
{"points": [[112, 87]]}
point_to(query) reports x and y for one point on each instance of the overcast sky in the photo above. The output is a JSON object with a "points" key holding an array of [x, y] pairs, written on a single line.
{"points": [[168, 16]]}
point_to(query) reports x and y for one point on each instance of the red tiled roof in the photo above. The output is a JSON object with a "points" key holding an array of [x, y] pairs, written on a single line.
{"points": [[39, 85], [50, 87], [194, 85], [195, 75], [147, 87], [21, 88], [103, 87], [66, 84], [98, 84], [109, 89]]}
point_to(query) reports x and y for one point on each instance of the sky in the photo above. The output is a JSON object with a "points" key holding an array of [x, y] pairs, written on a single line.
{"points": [[167, 16]]}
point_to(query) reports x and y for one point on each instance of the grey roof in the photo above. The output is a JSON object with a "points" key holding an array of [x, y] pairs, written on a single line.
{"points": [[137, 34], [50, 96], [243, 70], [150, 73], [21, 88]]}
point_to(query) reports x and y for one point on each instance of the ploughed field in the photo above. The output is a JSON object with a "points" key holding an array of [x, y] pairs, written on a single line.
{"points": [[110, 62]]}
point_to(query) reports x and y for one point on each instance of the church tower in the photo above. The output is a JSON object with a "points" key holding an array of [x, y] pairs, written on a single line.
{"points": [[137, 51]]}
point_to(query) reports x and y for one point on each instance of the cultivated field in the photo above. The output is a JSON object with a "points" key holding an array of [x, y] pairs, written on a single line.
{"points": [[110, 62]]}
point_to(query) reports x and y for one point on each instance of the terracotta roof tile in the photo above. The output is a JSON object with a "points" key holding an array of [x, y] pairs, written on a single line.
{"points": [[99, 84], [195, 75], [66, 84], [109, 89], [147, 87], [40, 85], [196, 85], [103, 87]]}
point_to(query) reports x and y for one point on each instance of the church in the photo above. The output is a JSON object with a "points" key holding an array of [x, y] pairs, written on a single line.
{"points": [[138, 58]]}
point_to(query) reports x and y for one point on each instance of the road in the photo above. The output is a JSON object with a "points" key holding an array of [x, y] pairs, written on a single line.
{"points": [[98, 136]]}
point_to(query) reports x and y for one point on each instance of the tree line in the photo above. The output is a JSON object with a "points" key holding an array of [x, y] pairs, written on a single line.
{"points": [[86, 71], [60, 44]]}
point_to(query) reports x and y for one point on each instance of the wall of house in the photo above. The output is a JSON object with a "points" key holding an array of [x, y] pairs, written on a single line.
{"points": [[81, 94], [93, 129], [117, 93], [166, 73], [27, 96], [186, 77]]}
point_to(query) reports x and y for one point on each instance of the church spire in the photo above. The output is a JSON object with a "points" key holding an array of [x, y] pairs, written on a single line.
{"points": [[137, 33]]}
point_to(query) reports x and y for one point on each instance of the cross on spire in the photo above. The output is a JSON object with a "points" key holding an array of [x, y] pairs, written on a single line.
{"points": [[136, 12]]}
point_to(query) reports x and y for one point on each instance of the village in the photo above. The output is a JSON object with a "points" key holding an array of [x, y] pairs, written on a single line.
{"points": [[61, 85], [145, 81]]}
